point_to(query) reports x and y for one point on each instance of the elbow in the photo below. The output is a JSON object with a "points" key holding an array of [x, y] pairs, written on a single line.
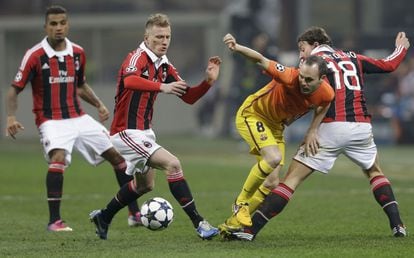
{"points": [[188, 100]]}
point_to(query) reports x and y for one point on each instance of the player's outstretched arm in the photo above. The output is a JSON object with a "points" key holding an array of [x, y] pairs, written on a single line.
{"points": [[392, 61], [194, 93], [251, 54]]}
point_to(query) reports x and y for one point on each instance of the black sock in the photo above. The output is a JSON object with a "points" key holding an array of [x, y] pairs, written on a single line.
{"points": [[273, 204], [182, 194], [54, 188], [381, 188], [125, 195], [122, 179]]}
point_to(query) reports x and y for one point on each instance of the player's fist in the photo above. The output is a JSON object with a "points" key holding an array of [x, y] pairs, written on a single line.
{"points": [[402, 40], [230, 41], [103, 113], [213, 69]]}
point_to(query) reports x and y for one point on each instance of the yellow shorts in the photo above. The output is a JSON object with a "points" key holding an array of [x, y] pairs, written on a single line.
{"points": [[259, 133]]}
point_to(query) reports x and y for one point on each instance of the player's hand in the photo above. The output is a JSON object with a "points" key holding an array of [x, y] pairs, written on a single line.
{"points": [[13, 126], [402, 40], [177, 88], [213, 69], [230, 41], [311, 144], [103, 113]]}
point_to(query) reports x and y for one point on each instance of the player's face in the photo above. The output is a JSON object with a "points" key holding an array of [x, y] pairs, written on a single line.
{"points": [[57, 28], [157, 39], [309, 79], [305, 49]]}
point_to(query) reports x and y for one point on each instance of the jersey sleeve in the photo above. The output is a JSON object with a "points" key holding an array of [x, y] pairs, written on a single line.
{"points": [[195, 93], [26, 72], [281, 73], [135, 75], [81, 74], [172, 75], [385, 65]]}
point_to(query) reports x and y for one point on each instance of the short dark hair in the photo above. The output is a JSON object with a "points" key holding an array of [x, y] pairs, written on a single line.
{"points": [[54, 9], [322, 66], [315, 34]]}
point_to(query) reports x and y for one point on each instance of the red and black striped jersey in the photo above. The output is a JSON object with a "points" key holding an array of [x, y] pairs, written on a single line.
{"points": [[54, 77], [347, 70], [134, 107]]}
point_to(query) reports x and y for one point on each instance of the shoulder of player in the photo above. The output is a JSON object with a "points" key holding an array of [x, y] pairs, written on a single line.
{"points": [[135, 57], [76, 46], [36, 50], [32, 55], [276, 68], [326, 90]]}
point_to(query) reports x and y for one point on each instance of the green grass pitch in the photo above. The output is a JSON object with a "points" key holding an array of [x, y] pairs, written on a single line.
{"points": [[331, 215]]}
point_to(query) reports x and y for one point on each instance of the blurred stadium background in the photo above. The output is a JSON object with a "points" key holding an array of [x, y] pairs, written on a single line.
{"points": [[348, 222], [109, 29]]}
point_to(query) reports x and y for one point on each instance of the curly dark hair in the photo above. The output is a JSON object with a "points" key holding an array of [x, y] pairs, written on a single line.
{"points": [[315, 34]]}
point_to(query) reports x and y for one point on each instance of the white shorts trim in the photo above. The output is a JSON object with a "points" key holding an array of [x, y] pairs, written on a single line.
{"points": [[136, 146], [84, 133], [354, 140]]}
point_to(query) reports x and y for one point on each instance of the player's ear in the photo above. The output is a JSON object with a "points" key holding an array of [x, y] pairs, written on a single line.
{"points": [[315, 44]]}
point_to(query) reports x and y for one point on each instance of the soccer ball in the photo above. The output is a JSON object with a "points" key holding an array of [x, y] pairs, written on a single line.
{"points": [[156, 213]]}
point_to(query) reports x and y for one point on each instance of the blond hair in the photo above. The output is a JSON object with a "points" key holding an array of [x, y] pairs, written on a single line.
{"points": [[157, 19]]}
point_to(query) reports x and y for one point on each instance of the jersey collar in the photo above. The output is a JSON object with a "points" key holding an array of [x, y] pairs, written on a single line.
{"points": [[322, 48], [51, 52], [158, 61]]}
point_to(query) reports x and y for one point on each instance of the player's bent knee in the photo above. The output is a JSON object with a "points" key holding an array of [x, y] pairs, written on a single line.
{"points": [[149, 187], [143, 188], [57, 155], [173, 166], [113, 156], [374, 171], [274, 161]]}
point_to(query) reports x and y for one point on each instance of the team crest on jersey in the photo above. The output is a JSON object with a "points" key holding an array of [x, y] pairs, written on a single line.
{"points": [[18, 76], [263, 137], [147, 144], [164, 72], [280, 67], [130, 69]]}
